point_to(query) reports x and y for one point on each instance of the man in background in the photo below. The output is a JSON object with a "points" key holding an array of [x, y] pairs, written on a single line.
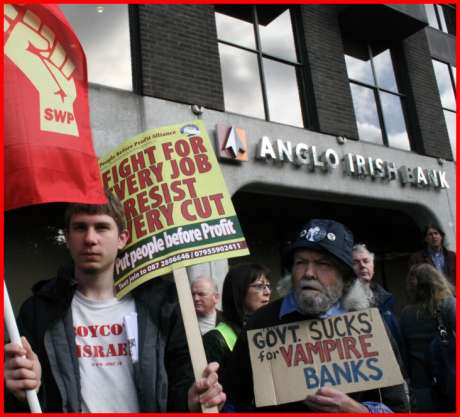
{"points": [[435, 253], [205, 298], [363, 265]]}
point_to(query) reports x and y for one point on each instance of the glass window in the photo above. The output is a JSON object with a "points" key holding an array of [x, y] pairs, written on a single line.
{"points": [[451, 122], [235, 30], [446, 80], [259, 64], [445, 87], [103, 31], [359, 69], [243, 92], [432, 18], [394, 121], [277, 38], [377, 102], [384, 71], [441, 17], [367, 117], [282, 90]]}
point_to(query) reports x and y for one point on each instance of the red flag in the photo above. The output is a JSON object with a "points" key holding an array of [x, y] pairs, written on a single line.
{"points": [[49, 154]]}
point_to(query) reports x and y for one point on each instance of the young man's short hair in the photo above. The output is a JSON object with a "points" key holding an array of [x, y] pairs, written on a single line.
{"points": [[113, 208]]}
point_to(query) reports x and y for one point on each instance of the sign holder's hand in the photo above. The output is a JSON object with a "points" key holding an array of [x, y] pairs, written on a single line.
{"points": [[330, 400]]}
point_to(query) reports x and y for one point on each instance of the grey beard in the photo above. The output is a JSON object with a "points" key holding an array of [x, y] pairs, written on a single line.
{"points": [[318, 303]]}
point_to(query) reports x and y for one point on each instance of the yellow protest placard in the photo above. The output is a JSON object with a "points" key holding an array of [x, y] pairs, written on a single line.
{"points": [[177, 205], [350, 352]]}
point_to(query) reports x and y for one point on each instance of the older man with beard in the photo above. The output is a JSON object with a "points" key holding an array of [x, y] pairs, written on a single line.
{"points": [[323, 285]]}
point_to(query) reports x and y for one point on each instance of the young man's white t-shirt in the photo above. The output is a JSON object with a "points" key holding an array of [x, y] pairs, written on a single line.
{"points": [[106, 369]]}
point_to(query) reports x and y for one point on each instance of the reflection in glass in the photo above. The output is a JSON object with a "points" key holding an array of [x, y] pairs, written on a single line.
{"points": [[394, 121], [442, 18], [443, 80], [454, 73], [359, 70], [277, 38], [384, 71], [452, 130], [240, 77], [432, 20], [282, 93], [235, 30], [105, 39], [366, 114]]}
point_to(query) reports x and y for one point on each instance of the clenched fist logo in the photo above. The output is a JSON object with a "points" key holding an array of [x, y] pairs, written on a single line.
{"points": [[32, 47]]}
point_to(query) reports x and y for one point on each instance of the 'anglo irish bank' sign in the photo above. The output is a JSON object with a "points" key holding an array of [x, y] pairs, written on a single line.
{"points": [[314, 159]]}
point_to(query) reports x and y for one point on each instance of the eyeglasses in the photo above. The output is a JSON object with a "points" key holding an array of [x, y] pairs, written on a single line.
{"points": [[262, 287]]}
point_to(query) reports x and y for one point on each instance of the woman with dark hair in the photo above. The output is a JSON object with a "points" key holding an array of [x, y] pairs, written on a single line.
{"points": [[432, 297], [246, 288]]}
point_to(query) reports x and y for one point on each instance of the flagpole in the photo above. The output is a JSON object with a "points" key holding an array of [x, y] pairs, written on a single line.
{"points": [[13, 332]]}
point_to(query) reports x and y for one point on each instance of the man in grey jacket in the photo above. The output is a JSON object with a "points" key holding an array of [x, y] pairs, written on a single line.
{"points": [[76, 353]]}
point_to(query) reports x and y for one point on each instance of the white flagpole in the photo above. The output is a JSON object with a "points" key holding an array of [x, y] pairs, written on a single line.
{"points": [[13, 332]]}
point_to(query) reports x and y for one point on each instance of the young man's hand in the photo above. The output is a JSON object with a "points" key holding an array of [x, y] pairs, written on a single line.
{"points": [[206, 391], [22, 369], [330, 400]]}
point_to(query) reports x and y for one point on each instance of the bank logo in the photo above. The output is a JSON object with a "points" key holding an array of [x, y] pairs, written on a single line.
{"points": [[231, 143]]}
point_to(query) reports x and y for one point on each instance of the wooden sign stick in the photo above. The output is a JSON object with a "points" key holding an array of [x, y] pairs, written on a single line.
{"points": [[192, 329]]}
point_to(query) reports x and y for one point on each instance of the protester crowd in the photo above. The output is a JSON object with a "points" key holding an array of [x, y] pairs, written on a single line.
{"points": [[330, 275]]}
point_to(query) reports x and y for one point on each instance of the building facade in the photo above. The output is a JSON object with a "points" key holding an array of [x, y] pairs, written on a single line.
{"points": [[339, 111]]}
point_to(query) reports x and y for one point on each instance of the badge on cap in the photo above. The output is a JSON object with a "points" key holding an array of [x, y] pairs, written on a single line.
{"points": [[315, 234], [331, 236]]}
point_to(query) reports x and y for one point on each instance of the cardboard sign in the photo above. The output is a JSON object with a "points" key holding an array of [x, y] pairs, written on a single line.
{"points": [[178, 208], [349, 352]]}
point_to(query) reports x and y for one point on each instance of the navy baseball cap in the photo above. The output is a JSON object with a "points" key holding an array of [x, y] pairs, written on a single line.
{"points": [[326, 235]]}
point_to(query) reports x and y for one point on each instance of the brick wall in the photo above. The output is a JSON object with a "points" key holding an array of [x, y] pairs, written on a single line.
{"points": [[179, 54], [328, 74], [425, 105]]}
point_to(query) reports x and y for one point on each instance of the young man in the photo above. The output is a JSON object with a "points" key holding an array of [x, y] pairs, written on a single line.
{"points": [[76, 352], [322, 275], [205, 297]]}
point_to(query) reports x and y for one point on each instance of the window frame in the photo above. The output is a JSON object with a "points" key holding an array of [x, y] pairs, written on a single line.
{"points": [[440, 16], [453, 85], [299, 65], [377, 90]]}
